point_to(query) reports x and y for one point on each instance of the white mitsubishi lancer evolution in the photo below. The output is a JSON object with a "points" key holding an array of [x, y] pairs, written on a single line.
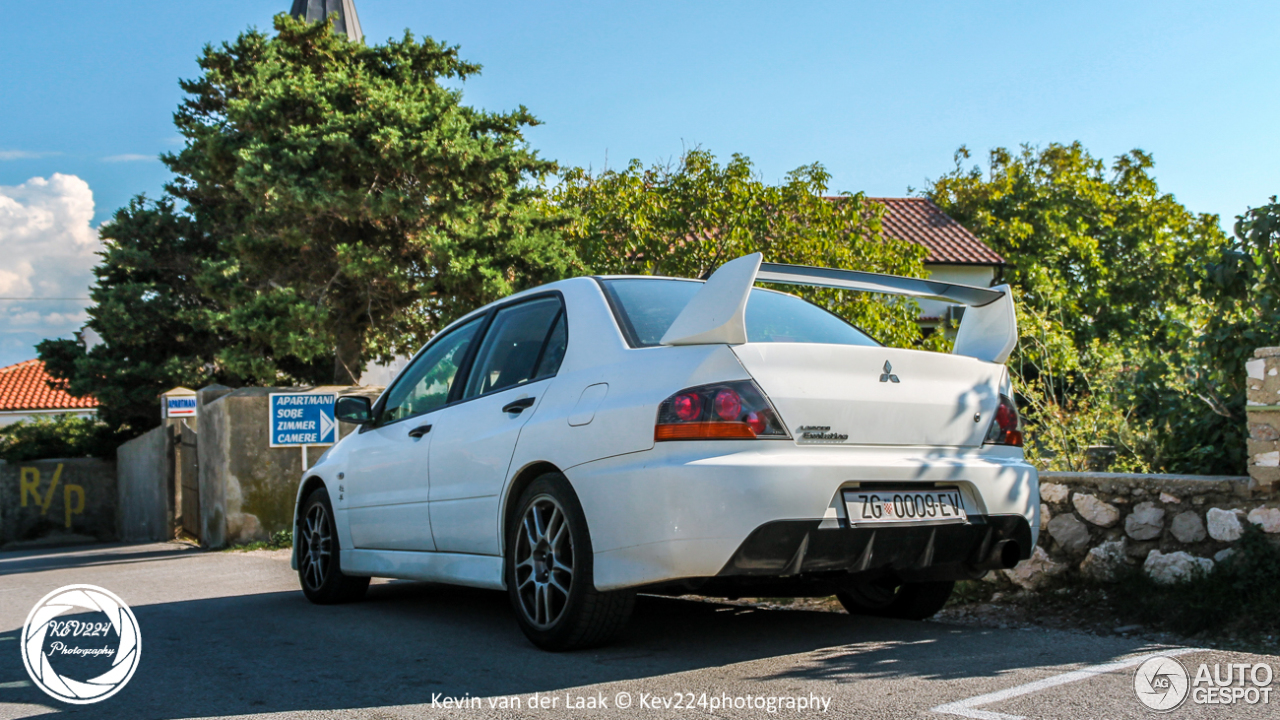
{"points": [[581, 441]]}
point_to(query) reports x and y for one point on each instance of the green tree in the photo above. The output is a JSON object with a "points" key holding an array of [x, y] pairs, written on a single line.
{"points": [[1102, 249], [1242, 285], [356, 203], [334, 203], [1111, 274], [689, 217], [149, 312]]}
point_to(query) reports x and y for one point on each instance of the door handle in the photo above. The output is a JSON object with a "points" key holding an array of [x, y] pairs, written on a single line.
{"points": [[518, 406], [420, 431]]}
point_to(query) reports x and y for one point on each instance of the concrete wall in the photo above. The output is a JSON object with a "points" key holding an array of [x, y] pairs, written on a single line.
{"points": [[247, 488], [145, 496], [48, 500]]}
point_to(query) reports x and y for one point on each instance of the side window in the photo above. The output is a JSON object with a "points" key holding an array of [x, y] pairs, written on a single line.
{"points": [[424, 385], [553, 352], [513, 346]]}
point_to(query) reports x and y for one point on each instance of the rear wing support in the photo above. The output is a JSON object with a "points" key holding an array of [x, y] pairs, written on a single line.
{"points": [[717, 314]]}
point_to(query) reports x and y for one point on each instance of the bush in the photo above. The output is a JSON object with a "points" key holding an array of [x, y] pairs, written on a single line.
{"points": [[62, 436], [1240, 593]]}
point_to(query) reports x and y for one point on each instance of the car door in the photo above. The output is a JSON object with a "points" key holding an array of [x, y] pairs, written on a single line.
{"points": [[475, 439], [387, 478]]}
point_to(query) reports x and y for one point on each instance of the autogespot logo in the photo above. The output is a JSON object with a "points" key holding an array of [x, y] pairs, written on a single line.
{"points": [[85, 657], [1161, 683]]}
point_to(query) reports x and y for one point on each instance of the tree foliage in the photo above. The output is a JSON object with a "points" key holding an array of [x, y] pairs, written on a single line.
{"points": [[61, 436], [147, 308], [1111, 275], [1242, 287], [333, 203], [1101, 249], [689, 217], [357, 204]]}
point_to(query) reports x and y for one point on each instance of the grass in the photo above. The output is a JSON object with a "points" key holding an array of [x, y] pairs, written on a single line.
{"points": [[279, 540], [971, 591]]}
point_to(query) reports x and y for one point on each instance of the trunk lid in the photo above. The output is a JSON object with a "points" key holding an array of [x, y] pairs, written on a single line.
{"points": [[824, 392]]}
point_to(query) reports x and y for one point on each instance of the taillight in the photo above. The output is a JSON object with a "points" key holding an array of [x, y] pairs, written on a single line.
{"points": [[1004, 428], [723, 411], [687, 407]]}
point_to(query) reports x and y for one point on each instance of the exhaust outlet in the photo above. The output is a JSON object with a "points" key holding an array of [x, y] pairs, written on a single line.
{"points": [[1008, 552], [1002, 556]]}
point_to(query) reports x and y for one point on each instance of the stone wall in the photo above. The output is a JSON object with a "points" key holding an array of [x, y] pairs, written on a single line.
{"points": [[1263, 387], [1096, 524], [57, 501]]}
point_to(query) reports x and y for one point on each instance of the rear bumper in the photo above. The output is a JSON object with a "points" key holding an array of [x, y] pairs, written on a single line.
{"points": [[695, 511], [801, 547]]}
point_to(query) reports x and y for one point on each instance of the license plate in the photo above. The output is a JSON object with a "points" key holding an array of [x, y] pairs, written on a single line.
{"points": [[882, 507]]}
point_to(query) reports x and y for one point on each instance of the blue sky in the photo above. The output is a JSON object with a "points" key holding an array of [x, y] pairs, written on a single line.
{"points": [[882, 94]]}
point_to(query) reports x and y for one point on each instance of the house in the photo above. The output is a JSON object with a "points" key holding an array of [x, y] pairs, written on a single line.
{"points": [[955, 254], [25, 393]]}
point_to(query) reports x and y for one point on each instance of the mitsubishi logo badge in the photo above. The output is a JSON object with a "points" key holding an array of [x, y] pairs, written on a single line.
{"points": [[887, 375]]}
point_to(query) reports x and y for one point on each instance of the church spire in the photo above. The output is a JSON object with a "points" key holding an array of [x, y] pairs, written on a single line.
{"points": [[317, 10]]}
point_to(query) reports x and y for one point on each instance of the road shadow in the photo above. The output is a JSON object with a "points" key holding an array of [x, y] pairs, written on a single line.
{"points": [[275, 652], [32, 560]]}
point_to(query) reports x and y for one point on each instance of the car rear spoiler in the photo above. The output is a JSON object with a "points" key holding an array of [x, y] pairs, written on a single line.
{"points": [[717, 313]]}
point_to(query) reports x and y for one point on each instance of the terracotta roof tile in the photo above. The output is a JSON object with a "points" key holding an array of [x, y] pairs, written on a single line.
{"points": [[919, 221], [25, 386]]}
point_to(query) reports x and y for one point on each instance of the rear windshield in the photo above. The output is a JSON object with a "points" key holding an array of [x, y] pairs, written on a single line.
{"points": [[646, 308]]}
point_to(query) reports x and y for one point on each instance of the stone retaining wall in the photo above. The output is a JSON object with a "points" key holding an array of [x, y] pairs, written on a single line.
{"points": [[52, 501], [1096, 524]]}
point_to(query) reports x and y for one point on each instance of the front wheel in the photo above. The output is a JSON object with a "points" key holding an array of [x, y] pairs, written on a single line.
{"points": [[549, 572], [889, 598], [319, 570]]}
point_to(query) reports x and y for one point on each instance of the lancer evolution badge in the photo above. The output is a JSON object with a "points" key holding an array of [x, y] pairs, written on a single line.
{"points": [[887, 375], [820, 433]]}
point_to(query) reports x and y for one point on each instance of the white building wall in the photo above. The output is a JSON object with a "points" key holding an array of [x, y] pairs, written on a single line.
{"points": [[977, 275], [9, 417]]}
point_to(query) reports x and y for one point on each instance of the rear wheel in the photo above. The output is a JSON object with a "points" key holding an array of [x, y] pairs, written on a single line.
{"points": [[319, 570], [890, 598], [549, 572]]}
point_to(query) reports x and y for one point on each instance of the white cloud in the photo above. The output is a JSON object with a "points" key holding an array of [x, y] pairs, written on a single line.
{"points": [[129, 157], [47, 250], [22, 154]]}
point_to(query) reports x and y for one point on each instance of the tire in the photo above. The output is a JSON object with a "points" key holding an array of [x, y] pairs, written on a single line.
{"points": [[549, 572], [892, 599], [319, 567]]}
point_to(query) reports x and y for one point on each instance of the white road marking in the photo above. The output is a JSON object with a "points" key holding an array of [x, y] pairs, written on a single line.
{"points": [[967, 708]]}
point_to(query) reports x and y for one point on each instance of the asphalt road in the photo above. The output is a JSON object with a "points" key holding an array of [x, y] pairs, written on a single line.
{"points": [[227, 634]]}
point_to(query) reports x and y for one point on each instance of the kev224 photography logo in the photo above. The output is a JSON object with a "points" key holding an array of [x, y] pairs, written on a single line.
{"points": [[81, 644]]}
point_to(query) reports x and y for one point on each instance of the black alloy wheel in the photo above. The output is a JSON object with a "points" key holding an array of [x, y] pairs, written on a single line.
{"points": [[549, 572], [319, 570]]}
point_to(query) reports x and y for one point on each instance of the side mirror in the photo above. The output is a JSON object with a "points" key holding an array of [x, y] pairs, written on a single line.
{"points": [[353, 409]]}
